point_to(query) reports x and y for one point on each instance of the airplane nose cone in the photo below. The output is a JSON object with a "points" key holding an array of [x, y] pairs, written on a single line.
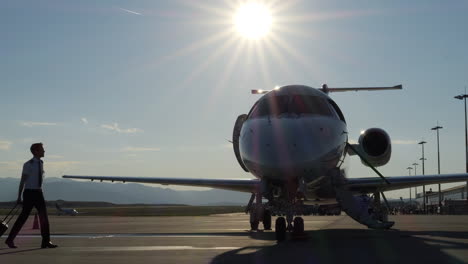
{"points": [[292, 143]]}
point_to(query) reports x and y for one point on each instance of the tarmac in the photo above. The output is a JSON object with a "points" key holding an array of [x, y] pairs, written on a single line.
{"points": [[226, 239]]}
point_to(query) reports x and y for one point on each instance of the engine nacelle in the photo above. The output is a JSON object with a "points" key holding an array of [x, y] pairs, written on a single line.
{"points": [[375, 146], [235, 139]]}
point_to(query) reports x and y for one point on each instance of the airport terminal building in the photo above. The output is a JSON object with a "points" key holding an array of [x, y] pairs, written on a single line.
{"points": [[454, 200]]}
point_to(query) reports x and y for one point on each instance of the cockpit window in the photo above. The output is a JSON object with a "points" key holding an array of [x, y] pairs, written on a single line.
{"points": [[337, 110], [295, 105], [275, 106], [313, 105]]}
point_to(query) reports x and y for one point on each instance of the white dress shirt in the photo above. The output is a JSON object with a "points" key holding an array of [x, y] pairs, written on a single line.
{"points": [[31, 172]]}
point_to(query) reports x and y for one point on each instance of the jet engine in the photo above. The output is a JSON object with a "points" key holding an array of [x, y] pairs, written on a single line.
{"points": [[375, 146], [235, 139]]}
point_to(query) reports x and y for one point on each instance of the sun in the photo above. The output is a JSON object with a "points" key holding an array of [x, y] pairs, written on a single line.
{"points": [[253, 20]]}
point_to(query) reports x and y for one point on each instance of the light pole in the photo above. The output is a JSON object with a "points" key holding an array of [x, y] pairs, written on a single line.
{"points": [[436, 128], [409, 173], [424, 186], [415, 187], [463, 97]]}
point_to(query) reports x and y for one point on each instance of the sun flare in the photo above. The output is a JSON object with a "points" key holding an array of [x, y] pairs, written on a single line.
{"points": [[253, 20]]}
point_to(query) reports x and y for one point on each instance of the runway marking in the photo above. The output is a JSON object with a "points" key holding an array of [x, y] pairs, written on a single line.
{"points": [[155, 248], [98, 236], [223, 229]]}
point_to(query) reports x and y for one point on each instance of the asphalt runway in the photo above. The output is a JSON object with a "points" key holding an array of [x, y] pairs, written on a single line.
{"points": [[226, 239]]}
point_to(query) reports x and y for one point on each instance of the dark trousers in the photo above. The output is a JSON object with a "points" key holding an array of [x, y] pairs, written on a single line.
{"points": [[32, 198]]}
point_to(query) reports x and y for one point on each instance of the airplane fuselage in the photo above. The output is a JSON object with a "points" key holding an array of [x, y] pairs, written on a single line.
{"points": [[294, 135]]}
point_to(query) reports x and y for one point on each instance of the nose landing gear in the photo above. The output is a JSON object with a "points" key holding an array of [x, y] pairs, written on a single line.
{"points": [[296, 229], [260, 212]]}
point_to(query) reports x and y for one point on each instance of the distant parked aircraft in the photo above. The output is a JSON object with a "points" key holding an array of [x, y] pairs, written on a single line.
{"points": [[65, 211]]}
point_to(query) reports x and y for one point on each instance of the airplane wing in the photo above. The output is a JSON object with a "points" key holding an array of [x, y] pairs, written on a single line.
{"points": [[226, 184], [358, 185], [373, 184], [356, 89]]}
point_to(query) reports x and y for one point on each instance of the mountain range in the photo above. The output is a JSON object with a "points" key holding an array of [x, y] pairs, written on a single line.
{"points": [[119, 193]]}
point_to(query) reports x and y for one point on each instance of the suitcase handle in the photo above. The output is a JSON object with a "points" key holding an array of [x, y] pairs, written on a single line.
{"points": [[13, 215], [8, 215]]}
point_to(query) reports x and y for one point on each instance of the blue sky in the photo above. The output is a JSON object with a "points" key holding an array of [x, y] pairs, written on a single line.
{"points": [[152, 88]]}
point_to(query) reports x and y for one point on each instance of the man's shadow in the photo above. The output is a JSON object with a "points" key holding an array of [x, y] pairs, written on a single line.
{"points": [[352, 245], [14, 251]]}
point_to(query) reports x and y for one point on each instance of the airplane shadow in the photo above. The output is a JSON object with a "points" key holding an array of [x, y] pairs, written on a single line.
{"points": [[353, 245]]}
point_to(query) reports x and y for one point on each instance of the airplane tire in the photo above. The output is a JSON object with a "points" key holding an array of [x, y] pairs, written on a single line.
{"points": [[254, 225], [298, 228], [267, 220], [280, 229]]}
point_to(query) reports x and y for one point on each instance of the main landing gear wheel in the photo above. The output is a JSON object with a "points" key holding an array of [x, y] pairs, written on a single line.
{"points": [[280, 229], [298, 228], [254, 225], [266, 220], [254, 220]]}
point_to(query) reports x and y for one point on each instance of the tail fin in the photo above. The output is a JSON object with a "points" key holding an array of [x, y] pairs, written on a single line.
{"points": [[327, 90]]}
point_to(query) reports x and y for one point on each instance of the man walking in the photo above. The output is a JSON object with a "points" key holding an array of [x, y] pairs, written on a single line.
{"points": [[31, 181]]}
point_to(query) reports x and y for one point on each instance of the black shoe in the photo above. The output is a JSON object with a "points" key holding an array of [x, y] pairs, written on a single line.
{"points": [[48, 245], [10, 244]]}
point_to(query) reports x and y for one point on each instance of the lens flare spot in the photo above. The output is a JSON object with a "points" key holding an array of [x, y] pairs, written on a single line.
{"points": [[253, 20]]}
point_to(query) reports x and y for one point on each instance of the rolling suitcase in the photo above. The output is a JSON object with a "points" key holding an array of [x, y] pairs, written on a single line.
{"points": [[7, 219]]}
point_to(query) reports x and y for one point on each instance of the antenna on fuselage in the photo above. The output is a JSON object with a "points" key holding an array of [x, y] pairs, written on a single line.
{"points": [[327, 89]]}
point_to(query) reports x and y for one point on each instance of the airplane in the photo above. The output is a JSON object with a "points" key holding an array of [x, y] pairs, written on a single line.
{"points": [[294, 141], [65, 211]]}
